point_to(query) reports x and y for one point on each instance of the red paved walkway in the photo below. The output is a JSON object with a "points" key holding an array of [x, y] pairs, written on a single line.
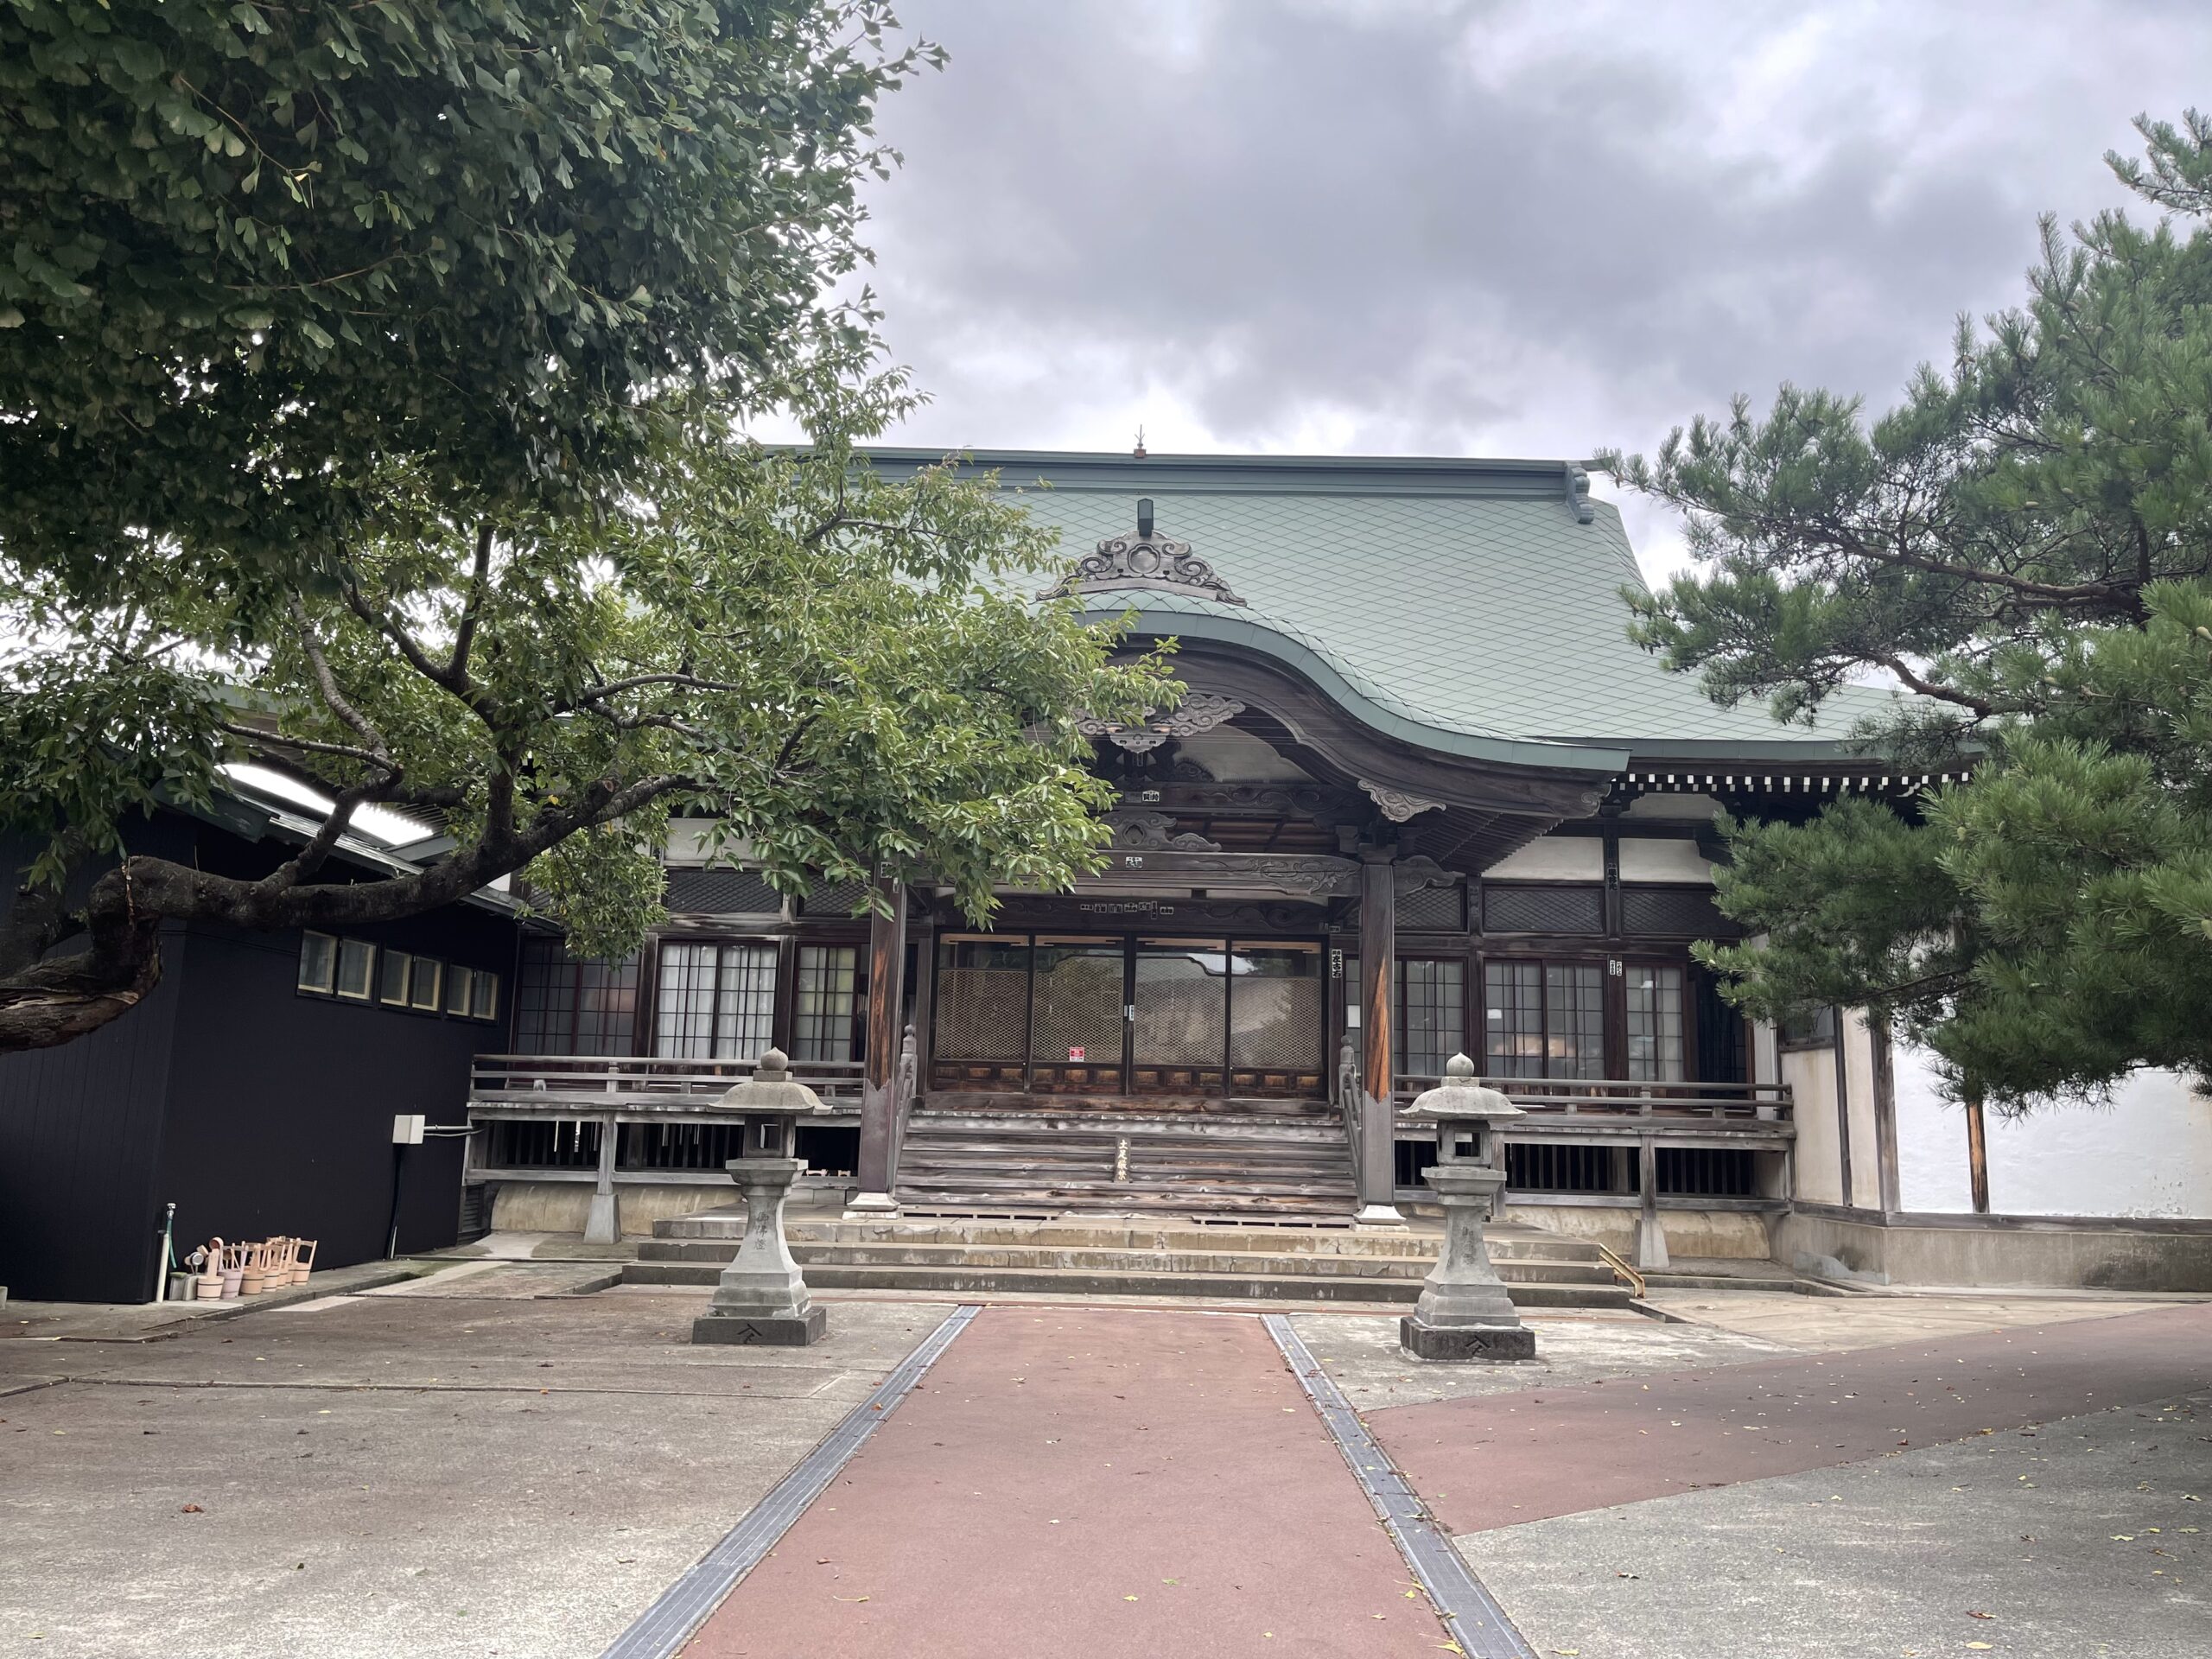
{"points": [[1090, 1483], [1501, 1459]]}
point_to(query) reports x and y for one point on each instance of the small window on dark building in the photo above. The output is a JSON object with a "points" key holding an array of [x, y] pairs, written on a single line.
{"points": [[318, 962], [428, 979], [460, 983], [356, 966], [484, 995], [391, 978]]}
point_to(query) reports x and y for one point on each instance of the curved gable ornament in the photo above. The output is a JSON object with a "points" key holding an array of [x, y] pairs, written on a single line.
{"points": [[1144, 560], [1198, 714]]}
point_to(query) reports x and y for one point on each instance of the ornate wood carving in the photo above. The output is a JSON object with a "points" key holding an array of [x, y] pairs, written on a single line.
{"points": [[1139, 831], [1398, 804], [1414, 873], [1144, 560], [1312, 875], [1198, 713], [1110, 914]]}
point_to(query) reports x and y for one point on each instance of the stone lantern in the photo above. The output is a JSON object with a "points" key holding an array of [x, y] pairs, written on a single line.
{"points": [[1464, 1312], [761, 1296]]}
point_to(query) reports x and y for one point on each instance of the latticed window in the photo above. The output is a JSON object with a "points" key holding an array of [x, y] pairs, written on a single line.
{"points": [[1432, 998], [570, 1005], [982, 998], [1276, 1019], [1654, 997], [823, 1001], [1544, 1018], [717, 1001]]}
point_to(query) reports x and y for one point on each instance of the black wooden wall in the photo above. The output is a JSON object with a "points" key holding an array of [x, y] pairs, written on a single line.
{"points": [[256, 1109]]}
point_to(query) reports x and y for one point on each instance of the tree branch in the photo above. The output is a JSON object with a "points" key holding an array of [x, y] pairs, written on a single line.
{"points": [[479, 582], [1926, 688], [327, 683]]}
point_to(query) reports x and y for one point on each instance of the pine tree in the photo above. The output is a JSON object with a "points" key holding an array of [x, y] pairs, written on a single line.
{"points": [[2025, 545]]}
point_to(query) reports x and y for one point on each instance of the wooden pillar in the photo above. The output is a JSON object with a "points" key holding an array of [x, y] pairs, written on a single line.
{"points": [[1651, 1236], [886, 971], [1883, 1084], [1843, 1110], [1378, 974], [1977, 1154], [603, 1220]]}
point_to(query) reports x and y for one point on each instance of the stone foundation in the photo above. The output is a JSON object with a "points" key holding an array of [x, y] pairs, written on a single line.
{"points": [[761, 1331], [1466, 1343]]}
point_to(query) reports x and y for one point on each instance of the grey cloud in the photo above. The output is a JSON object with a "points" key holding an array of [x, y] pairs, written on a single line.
{"points": [[1471, 228]]}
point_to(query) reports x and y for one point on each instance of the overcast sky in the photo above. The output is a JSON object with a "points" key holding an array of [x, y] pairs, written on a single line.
{"points": [[1418, 227]]}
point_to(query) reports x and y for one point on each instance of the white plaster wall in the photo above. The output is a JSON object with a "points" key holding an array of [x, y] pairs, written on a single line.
{"points": [[1865, 1143], [1653, 860], [1810, 1073], [2148, 1154], [1555, 858]]}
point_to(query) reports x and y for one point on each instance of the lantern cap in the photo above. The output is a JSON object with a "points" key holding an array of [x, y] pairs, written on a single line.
{"points": [[772, 1089], [1460, 1095]]}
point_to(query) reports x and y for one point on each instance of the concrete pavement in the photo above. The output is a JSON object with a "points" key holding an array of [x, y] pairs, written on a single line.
{"points": [[499, 1460], [426, 1475]]}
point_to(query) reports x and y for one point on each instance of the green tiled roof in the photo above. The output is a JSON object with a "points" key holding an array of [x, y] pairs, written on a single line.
{"points": [[1468, 598]]}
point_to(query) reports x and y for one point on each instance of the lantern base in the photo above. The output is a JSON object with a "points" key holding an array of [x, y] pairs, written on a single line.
{"points": [[761, 1330], [1466, 1343]]}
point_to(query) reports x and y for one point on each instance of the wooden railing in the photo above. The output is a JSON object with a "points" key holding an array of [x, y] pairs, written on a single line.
{"points": [[618, 1083], [1615, 1098]]}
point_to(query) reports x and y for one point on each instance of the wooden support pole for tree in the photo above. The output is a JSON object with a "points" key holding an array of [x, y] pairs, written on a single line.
{"points": [[1977, 1154]]}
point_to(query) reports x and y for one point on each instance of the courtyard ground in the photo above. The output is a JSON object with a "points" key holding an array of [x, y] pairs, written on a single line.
{"points": [[501, 1459]]}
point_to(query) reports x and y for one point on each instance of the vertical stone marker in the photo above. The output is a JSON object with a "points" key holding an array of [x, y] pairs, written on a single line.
{"points": [[1465, 1313], [761, 1297]]}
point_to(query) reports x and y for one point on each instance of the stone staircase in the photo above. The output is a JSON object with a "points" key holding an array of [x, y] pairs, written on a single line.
{"points": [[1134, 1256], [1283, 1159]]}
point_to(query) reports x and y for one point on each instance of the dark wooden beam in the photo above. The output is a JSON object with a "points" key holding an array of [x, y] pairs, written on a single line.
{"points": [[887, 969]]}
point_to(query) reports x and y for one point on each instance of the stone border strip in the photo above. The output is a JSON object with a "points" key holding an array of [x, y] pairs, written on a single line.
{"points": [[1472, 1616], [676, 1613]]}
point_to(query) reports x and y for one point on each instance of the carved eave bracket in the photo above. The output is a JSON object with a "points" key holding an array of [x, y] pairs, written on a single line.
{"points": [[1137, 831], [1198, 714], [1145, 560], [1398, 804]]}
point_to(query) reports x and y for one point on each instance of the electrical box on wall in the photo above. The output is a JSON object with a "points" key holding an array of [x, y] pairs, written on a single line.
{"points": [[407, 1129]]}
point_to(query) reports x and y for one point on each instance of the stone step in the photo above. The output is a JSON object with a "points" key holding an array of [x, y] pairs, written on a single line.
{"points": [[1257, 1263], [1212, 1286]]}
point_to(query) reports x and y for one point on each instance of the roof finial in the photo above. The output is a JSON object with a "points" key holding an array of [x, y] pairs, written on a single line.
{"points": [[1138, 453]]}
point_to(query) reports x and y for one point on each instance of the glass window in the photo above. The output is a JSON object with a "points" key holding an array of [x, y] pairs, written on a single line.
{"points": [[570, 1005], [460, 983], [1574, 1020], [484, 995], [356, 965], [1513, 1018], [1654, 1024], [391, 978], [318, 962], [1544, 1018], [824, 1002], [1432, 995], [427, 979], [716, 1001]]}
